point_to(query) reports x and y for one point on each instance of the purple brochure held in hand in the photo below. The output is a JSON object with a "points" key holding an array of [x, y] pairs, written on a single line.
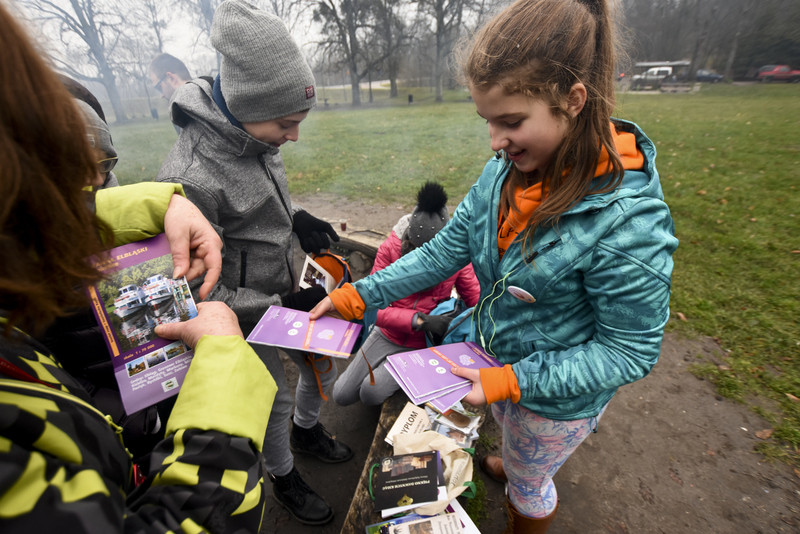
{"points": [[427, 371], [292, 329], [138, 294]]}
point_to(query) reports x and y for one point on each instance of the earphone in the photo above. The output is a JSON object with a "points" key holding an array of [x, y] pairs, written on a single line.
{"points": [[489, 311]]}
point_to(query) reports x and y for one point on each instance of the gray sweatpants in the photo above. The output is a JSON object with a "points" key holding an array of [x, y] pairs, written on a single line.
{"points": [[307, 402], [354, 384]]}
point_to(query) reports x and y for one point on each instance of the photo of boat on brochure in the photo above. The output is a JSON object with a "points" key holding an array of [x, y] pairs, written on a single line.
{"points": [[158, 293], [130, 300]]}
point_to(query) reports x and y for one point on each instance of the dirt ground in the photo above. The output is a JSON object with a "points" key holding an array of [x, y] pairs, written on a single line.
{"points": [[670, 455]]}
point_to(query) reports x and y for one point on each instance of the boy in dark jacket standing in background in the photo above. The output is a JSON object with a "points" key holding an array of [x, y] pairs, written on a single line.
{"points": [[227, 157]]}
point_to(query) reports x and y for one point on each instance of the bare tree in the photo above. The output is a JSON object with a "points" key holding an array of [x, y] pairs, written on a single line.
{"points": [[345, 31], [155, 16], [393, 38], [447, 18], [97, 30]]}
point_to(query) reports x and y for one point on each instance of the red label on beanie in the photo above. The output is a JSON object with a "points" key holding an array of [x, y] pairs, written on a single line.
{"points": [[309, 92]]}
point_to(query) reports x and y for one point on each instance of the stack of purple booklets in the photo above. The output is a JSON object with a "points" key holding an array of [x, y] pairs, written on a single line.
{"points": [[424, 374]]}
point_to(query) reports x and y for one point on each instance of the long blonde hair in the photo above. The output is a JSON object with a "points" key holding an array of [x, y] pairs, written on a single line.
{"points": [[541, 48]]}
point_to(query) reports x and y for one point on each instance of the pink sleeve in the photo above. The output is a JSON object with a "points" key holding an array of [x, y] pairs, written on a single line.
{"points": [[398, 320], [388, 252], [467, 285]]}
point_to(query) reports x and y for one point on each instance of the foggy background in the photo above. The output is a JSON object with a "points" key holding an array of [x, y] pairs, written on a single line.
{"points": [[108, 44]]}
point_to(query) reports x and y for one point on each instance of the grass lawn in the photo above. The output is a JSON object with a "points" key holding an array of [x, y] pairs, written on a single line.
{"points": [[729, 159]]}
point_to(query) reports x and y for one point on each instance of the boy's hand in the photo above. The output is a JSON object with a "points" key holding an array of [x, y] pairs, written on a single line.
{"points": [[305, 299], [313, 233], [213, 319]]}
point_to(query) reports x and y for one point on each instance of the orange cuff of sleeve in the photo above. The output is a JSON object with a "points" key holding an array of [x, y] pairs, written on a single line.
{"points": [[499, 383], [348, 302]]}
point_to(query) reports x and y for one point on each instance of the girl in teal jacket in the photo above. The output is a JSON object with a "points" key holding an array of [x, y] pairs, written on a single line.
{"points": [[569, 236]]}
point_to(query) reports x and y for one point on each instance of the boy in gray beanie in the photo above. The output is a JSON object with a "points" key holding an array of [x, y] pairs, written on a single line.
{"points": [[227, 157]]}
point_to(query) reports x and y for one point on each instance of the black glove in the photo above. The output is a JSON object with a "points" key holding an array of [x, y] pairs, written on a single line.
{"points": [[434, 326], [305, 299], [312, 232]]}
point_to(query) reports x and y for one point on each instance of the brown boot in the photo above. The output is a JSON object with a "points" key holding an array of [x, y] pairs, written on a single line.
{"points": [[521, 524], [493, 466]]}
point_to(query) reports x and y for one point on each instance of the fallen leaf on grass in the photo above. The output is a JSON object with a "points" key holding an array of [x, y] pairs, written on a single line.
{"points": [[796, 252], [681, 316], [792, 397], [701, 192], [753, 219], [764, 434]]}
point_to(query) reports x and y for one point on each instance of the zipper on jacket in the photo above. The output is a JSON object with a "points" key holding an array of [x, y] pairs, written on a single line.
{"points": [[535, 253], [63, 395], [243, 271]]}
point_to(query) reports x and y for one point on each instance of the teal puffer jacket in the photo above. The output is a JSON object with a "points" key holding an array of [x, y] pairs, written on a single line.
{"points": [[600, 280]]}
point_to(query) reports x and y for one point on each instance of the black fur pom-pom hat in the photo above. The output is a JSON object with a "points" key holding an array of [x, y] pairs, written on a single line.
{"points": [[430, 214]]}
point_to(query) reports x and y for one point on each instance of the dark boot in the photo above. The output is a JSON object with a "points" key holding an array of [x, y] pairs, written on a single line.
{"points": [[522, 524], [493, 466], [316, 441], [293, 493]]}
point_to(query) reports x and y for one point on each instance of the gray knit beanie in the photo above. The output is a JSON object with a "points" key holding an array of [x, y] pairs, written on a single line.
{"points": [[430, 214], [263, 75], [97, 130]]}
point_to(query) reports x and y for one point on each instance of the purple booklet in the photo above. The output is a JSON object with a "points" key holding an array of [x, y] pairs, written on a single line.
{"points": [[137, 294], [441, 401], [292, 329], [427, 371]]}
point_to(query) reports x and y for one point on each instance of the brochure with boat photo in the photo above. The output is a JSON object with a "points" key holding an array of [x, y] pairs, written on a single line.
{"points": [[138, 294], [293, 329]]}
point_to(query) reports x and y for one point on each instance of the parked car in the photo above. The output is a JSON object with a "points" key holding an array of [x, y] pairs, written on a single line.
{"points": [[708, 76], [651, 78], [769, 73]]}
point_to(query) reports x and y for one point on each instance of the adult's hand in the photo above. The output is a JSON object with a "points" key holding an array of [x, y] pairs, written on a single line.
{"points": [[313, 233], [475, 397], [196, 247], [213, 319]]}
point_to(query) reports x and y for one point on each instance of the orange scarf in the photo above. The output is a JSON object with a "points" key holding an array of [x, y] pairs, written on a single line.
{"points": [[528, 200]]}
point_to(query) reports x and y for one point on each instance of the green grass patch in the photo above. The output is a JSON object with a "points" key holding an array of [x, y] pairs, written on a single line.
{"points": [[729, 160]]}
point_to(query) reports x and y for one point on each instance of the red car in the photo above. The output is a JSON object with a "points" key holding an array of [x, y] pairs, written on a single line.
{"points": [[784, 73]]}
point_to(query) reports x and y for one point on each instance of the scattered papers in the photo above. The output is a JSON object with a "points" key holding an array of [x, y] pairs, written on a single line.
{"points": [[406, 481], [436, 524], [412, 420]]}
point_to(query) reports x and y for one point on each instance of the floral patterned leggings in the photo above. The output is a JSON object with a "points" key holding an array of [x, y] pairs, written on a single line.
{"points": [[534, 448]]}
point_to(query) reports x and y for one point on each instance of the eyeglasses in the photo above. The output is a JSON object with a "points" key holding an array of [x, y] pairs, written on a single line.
{"points": [[105, 166], [157, 86]]}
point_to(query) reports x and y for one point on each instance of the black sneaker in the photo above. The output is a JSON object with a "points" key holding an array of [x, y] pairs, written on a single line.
{"points": [[316, 441], [293, 493]]}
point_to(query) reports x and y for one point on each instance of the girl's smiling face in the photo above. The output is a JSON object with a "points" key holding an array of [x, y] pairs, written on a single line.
{"points": [[525, 128]]}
